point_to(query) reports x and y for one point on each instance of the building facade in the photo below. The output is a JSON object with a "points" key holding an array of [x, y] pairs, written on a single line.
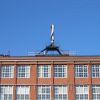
{"points": [[50, 77]]}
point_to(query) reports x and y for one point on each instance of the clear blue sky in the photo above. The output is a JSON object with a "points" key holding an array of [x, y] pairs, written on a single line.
{"points": [[25, 25]]}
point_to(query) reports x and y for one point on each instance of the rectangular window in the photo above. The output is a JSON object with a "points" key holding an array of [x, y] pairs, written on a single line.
{"points": [[44, 71], [81, 71], [7, 71], [22, 92], [95, 71], [82, 92], [96, 92], [60, 71], [23, 71], [60, 93], [43, 93], [6, 92]]}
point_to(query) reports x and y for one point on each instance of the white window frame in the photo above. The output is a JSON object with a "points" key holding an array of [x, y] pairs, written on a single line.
{"points": [[81, 71], [60, 73], [7, 71], [42, 73], [82, 90], [23, 71], [60, 92], [43, 91], [95, 71], [22, 91], [6, 91], [96, 92]]}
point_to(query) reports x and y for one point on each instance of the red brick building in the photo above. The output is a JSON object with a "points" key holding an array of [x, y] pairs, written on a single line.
{"points": [[50, 78]]}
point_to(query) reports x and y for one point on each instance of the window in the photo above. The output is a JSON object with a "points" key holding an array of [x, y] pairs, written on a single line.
{"points": [[60, 71], [7, 71], [96, 92], [81, 71], [60, 93], [44, 71], [43, 93], [22, 93], [82, 92], [6, 92], [23, 71], [95, 71]]}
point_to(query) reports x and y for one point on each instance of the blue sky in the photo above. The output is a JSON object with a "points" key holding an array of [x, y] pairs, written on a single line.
{"points": [[25, 25]]}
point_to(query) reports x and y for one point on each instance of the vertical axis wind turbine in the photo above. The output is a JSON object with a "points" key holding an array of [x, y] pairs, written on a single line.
{"points": [[52, 34], [52, 46]]}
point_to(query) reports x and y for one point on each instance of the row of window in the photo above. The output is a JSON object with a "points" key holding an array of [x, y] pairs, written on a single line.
{"points": [[44, 92], [44, 71]]}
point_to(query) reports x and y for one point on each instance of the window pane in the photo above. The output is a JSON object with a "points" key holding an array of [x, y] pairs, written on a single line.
{"points": [[43, 93], [60, 71], [6, 92], [96, 92], [44, 71], [23, 71], [95, 71], [60, 93], [22, 92], [82, 92], [81, 70], [7, 71]]}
